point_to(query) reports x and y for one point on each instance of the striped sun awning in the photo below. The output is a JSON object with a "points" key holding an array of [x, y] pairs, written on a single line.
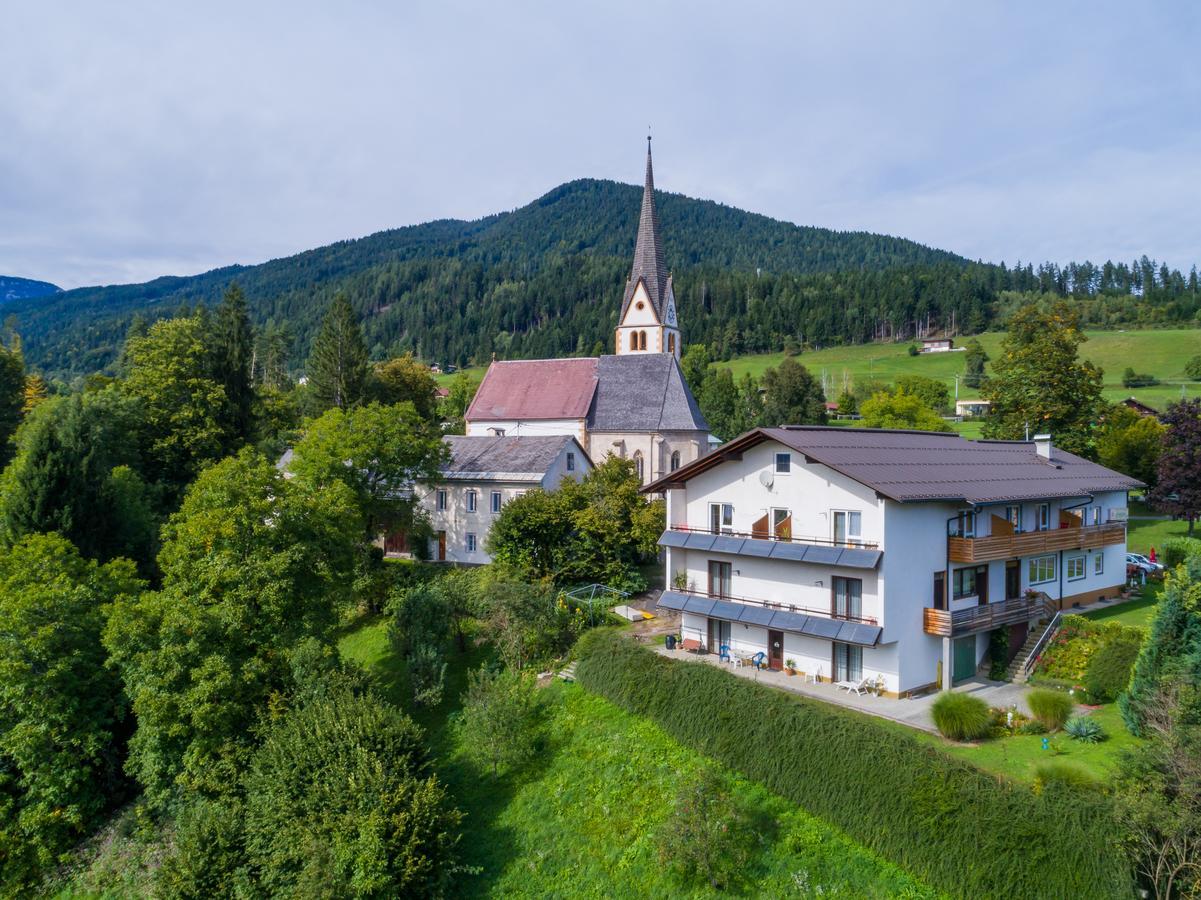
{"points": [[796, 551], [797, 623]]}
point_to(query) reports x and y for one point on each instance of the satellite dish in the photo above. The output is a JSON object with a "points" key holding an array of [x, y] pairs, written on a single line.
{"points": [[766, 478]]}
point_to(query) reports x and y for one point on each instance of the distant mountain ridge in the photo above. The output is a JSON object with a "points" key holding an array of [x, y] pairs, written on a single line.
{"points": [[577, 229], [14, 288]]}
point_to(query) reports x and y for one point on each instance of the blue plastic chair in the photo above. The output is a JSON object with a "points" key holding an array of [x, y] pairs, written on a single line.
{"points": [[759, 660], [724, 653]]}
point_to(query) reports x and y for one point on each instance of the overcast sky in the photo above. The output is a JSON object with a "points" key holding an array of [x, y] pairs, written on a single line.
{"points": [[142, 139]]}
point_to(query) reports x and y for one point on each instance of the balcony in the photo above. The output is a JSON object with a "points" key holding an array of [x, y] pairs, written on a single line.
{"points": [[974, 619], [821, 623], [813, 550], [1033, 543]]}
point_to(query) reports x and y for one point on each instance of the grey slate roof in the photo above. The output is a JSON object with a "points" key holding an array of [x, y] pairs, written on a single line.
{"points": [[648, 250], [643, 392], [524, 458], [912, 466]]}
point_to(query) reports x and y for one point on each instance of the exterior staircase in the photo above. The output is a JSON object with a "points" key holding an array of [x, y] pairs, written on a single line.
{"points": [[568, 672], [1017, 666]]}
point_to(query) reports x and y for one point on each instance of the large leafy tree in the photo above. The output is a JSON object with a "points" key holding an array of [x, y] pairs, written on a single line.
{"points": [[792, 396], [337, 369], [974, 360], [76, 473], [253, 564], [730, 408], [404, 378], [930, 391], [232, 358], [60, 706], [899, 410], [1130, 443], [1039, 383], [1178, 487], [183, 407], [380, 452]]}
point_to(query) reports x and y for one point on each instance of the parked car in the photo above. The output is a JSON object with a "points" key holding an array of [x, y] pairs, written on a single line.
{"points": [[1141, 564]]}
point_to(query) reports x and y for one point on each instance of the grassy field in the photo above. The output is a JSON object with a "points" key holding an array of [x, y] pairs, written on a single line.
{"points": [[1138, 613], [581, 821], [1159, 352], [1143, 534]]}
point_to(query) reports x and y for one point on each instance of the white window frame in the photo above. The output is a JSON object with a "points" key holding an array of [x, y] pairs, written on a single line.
{"points": [[1043, 517], [965, 525], [440, 500], [1013, 515], [495, 501], [472, 543], [786, 458], [1070, 563], [473, 499], [1041, 569], [1098, 562], [853, 536], [725, 517]]}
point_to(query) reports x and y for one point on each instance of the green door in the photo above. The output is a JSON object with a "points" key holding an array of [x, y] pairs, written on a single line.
{"points": [[965, 658]]}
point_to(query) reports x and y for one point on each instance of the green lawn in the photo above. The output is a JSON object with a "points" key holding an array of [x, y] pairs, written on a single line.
{"points": [[1143, 534], [1018, 756], [1138, 613], [581, 821]]}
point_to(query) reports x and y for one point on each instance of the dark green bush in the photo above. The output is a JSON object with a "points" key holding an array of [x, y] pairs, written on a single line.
{"points": [[958, 828], [1108, 671], [1033, 727], [1051, 708], [961, 717], [1084, 729], [1176, 550]]}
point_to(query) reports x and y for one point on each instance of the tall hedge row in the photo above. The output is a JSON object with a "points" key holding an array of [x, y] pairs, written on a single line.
{"points": [[951, 824]]}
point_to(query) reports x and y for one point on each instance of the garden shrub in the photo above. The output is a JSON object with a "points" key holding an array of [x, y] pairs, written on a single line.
{"points": [[960, 829], [1108, 672], [961, 717], [1176, 550], [1052, 708], [1079, 640], [998, 654], [1065, 775], [1085, 729]]}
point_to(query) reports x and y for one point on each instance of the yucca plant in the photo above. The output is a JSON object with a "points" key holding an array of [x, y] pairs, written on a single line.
{"points": [[1085, 729], [961, 717], [1052, 708]]}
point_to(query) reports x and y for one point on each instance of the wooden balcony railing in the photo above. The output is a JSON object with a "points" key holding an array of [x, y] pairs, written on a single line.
{"points": [[783, 607], [975, 619], [1032, 543], [781, 534]]}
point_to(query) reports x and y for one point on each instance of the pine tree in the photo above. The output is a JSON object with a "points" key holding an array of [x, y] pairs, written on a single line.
{"points": [[232, 348], [12, 394], [337, 368]]}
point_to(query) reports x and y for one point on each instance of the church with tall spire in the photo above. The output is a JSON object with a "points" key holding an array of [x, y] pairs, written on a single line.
{"points": [[635, 403], [648, 321]]}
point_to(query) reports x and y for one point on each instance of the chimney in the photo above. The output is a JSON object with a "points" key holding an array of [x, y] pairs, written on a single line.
{"points": [[1042, 446]]}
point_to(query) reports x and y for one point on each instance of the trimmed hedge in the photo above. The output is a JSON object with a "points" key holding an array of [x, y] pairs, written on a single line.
{"points": [[951, 824]]}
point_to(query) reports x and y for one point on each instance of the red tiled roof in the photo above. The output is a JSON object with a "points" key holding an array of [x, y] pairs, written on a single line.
{"points": [[524, 389]]}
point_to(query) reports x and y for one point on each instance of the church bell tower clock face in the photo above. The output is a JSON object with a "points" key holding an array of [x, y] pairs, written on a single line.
{"points": [[671, 315]]}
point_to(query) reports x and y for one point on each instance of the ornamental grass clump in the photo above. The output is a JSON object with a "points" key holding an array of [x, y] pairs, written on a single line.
{"points": [[1085, 729], [1051, 708], [961, 717]]}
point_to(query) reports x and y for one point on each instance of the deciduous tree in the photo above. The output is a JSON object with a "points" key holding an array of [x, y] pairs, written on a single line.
{"points": [[899, 410], [974, 360], [792, 396], [1178, 484], [500, 718], [402, 379], [1130, 443]]}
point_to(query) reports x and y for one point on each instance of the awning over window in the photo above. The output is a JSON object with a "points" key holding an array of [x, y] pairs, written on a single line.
{"points": [[816, 554], [797, 623]]}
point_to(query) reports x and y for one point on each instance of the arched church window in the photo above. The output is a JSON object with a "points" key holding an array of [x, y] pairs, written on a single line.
{"points": [[638, 463], [642, 340], [671, 343], [675, 460], [633, 340]]}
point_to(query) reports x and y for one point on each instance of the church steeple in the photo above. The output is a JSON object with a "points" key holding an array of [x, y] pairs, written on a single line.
{"points": [[649, 284]]}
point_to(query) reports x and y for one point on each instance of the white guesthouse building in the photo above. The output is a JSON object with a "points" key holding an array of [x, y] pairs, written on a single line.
{"points": [[860, 553]]}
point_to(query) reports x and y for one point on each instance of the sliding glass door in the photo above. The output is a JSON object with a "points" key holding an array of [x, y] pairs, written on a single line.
{"points": [[848, 662], [848, 598]]}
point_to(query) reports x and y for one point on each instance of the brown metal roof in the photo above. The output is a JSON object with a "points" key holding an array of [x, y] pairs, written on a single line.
{"points": [[912, 466], [524, 389]]}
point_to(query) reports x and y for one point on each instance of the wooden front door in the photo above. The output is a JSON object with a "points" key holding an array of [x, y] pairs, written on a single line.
{"points": [[964, 658], [441, 546], [940, 590], [982, 585], [1013, 579], [775, 650]]}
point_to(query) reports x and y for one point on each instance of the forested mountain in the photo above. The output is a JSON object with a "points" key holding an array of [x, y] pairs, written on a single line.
{"points": [[546, 279], [13, 288]]}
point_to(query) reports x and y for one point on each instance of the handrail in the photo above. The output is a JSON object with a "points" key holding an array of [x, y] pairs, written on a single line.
{"points": [[793, 539], [1041, 643], [783, 607]]}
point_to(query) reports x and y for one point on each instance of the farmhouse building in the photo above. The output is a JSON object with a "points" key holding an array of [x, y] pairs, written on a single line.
{"points": [[882, 554], [634, 404]]}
